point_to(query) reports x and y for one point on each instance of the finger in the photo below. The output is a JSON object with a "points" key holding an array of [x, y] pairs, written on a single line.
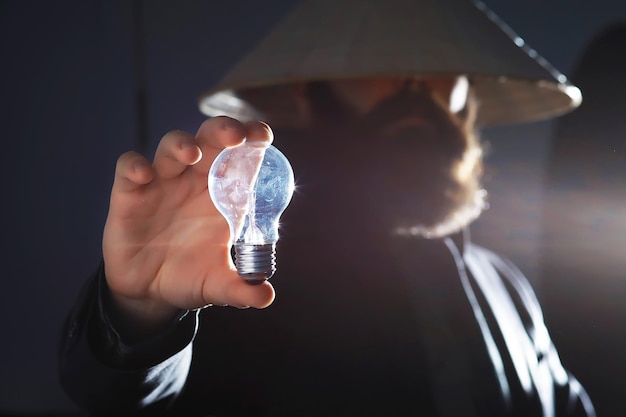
{"points": [[258, 131], [214, 135], [238, 293], [132, 171], [257, 296], [176, 151]]}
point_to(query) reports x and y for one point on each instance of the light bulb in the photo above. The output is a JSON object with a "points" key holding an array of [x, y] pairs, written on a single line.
{"points": [[251, 185]]}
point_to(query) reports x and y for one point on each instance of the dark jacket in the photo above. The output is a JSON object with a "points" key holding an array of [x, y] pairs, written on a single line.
{"points": [[418, 327]]}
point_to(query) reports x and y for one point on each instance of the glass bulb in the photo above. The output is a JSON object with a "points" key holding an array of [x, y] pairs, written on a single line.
{"points": [[251, 184]]}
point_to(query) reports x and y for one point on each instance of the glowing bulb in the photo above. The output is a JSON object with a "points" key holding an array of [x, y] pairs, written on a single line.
{"points": [[251, 185]]}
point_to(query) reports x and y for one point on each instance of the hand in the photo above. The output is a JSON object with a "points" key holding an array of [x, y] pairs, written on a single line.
{"points": [[165, 245]]}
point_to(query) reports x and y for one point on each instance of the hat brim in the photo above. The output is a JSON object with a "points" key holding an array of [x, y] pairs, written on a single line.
{"points": [[334, 40]]}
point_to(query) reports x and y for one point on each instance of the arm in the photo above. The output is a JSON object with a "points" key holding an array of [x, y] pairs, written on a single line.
{"points": [[105, 375], [166, 250]]}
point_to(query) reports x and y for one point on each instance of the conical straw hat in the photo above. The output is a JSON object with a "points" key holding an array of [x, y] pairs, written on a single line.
{"points": [[340, 39]]}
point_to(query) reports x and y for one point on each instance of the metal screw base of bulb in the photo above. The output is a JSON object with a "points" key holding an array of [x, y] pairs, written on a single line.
{"points": [[255, 263]]}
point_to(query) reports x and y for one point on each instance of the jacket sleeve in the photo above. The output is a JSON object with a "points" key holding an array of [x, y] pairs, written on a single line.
{"points": [[106, 376]]}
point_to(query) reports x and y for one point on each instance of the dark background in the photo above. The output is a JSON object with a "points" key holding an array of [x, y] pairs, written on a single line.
{"points": [[69, 76]]}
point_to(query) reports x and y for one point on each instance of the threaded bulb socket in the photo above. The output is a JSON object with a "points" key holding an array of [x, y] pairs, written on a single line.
{"points": [[255, 263]]}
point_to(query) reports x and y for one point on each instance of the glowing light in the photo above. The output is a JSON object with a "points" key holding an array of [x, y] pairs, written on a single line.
{"points": [[458, 96], [251, 185]]}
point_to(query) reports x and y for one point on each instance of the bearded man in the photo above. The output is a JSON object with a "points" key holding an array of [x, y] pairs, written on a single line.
{"points": [[384, 305]]}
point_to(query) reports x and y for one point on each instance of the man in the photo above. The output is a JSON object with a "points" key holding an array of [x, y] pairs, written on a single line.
{"points": [[384, 305]]}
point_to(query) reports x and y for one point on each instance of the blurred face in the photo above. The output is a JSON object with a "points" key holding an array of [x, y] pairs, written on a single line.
{"points": [[407, 150], [363, 95]]}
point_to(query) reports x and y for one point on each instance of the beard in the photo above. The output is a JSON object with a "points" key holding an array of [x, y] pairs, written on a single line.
{"points": [[431, 186], [408, 165]]}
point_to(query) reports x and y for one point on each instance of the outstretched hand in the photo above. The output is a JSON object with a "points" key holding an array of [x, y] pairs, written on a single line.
{"points": [[165, 245]]}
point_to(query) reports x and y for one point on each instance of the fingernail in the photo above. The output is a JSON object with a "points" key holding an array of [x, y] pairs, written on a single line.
{"points": [[255, 281], [188, 144], [139, 166], [231, 124]]}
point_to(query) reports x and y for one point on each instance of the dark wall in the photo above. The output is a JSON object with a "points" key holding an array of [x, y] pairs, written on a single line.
{"points": [[67, 111], [68, 81], [583, 221]]}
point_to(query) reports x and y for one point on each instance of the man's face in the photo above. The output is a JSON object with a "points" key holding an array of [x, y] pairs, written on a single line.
{"points": [[364, 95], [406, 151]]}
